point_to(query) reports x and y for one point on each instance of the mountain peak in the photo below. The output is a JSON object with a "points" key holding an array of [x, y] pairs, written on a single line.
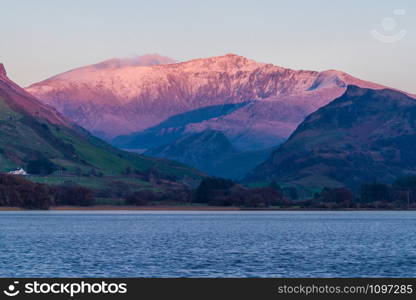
{"points": [[3, 73], [224, 63], [110, 100], [231, 57], [357, 91]]}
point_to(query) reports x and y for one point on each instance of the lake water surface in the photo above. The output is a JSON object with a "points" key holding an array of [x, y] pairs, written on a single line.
{"points": [[207, 244]]}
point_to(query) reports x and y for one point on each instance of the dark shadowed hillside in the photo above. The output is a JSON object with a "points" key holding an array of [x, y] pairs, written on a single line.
{"points": [[364, 135], [211, 152]]}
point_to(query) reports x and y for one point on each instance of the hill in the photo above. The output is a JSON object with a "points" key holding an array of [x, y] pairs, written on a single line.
{"points": [[211, 152], [53, 149], [364, 136]]}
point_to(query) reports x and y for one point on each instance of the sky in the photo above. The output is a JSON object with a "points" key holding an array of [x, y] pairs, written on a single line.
{"points": [[373, 39]]}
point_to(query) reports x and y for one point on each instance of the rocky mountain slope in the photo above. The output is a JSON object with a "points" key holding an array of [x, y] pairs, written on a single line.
{"points": [[32, 133], [363, 136], [211, 152], [112, 99]]}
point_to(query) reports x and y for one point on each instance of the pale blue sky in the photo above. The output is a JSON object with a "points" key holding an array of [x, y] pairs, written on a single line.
{"points": [[41, 38]]}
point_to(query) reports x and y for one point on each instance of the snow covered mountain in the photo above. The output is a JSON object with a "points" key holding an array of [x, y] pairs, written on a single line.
{"points": [[256, 105]]}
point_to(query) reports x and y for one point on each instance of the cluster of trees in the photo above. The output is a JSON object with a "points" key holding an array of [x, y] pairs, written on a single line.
{"points": [[330, 199], [115, 189], [72, 195], [223, 192], [16, 191], [216, 192], [402, 193]]}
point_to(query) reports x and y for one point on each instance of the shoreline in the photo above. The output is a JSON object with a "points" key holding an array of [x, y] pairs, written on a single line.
{"points": [[116, 207], [187, 208]]}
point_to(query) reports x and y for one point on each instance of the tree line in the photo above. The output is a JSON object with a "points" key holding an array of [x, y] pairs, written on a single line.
{"points": [[223, 192], [401, 194], [17, 191]]}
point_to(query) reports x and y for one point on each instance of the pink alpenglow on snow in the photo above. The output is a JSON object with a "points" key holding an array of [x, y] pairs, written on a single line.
{"points": [[119, 97], [22, 101]]}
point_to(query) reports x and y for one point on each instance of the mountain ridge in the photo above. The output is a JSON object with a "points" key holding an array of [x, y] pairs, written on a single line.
{"points": [[134, 98]]}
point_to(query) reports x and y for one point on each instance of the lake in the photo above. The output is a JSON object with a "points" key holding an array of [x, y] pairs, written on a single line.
{"points": [[207, 244]]}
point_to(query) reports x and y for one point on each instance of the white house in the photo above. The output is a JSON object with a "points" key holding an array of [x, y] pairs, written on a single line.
{"points": [[18, 171]]}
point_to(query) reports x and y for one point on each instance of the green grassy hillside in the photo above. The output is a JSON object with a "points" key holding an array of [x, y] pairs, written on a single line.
{"points": [[25, 138], [53, 150]]}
